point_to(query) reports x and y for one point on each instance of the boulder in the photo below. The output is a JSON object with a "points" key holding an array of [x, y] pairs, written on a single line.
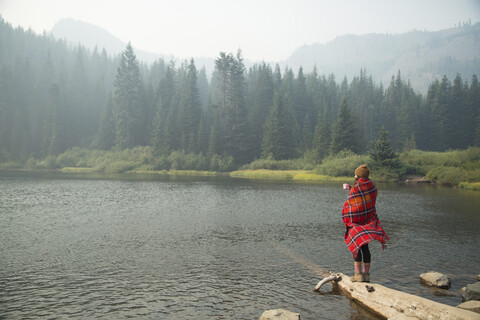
{"points": [[471, 306], [279, 314], [472, 292], [435, 279]]}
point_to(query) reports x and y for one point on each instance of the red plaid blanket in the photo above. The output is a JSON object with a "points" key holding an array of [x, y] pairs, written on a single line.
{"points": [[360, 217]]}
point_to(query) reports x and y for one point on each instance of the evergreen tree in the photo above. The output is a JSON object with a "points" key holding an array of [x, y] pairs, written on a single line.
{"points": [[214, 140], [476, 134], [106, 139], [230, 99], [130, 112], [58, 134], [307, 134], [345, 131], [440, 116], [201, 144], [322, 137], [278, 142], [5, 114], [261, 101], [474, 102], [302, 105], [189, 109], [46, 105], [164, 132], [460, 116], [382, 153]]}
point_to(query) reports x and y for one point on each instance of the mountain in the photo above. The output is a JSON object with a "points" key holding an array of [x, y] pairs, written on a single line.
{"points": [[91, 36], [420, 56]]}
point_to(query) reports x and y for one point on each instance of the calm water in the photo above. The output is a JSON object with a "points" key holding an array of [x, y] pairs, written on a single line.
{"points": [[149, 248]]}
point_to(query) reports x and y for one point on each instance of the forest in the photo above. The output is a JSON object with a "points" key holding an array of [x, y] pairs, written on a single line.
{"points": [[55, 97]]}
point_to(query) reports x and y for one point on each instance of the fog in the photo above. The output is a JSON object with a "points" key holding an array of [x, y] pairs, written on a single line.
{"points": [[265, 30]]}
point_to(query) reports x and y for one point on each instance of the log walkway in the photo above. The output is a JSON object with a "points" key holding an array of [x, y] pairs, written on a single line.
{"points": [[385, 302]]}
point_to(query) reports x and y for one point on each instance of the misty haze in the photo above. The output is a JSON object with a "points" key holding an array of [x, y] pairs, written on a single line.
{"points": [[149, 184]]}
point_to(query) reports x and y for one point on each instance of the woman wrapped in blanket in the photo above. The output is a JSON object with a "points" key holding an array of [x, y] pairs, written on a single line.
{"points": [[361, 223]]}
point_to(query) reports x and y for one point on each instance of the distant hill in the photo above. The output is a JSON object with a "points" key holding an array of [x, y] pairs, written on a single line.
{"points": [[419, 55], [91, 36]]}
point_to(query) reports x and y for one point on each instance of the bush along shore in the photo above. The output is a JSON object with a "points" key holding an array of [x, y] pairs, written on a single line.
{"points": [[460, 168]]}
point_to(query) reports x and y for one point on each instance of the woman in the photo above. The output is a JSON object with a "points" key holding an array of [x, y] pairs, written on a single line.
{"points": [[361, 222]]}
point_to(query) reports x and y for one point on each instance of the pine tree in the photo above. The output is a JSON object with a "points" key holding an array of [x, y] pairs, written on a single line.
{"points": [[382, 154], [440, 116], [474, 101], [58, 134], [278, 142], [230, 99], [460, 115], [131, 116], [106, 139], [322, 137], [476, 135], [301, 103], [262, 98], [163, 136], [189, 109], [345, 132]]}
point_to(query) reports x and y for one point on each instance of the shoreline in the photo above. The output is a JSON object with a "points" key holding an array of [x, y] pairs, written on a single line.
{"points": [[306, 176]]}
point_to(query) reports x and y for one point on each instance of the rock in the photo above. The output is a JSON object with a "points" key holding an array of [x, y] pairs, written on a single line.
{"points": [[470, 305], [478, 277], [279, 314], [443, 293], [435, 279], [472, 292]]}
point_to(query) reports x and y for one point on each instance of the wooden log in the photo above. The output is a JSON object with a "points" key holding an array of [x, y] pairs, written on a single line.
{"points": [[385, 302], [333, 277], [389, 303]]}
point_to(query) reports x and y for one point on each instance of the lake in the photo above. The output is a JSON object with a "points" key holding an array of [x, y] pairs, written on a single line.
{"points": [[153, 247]]}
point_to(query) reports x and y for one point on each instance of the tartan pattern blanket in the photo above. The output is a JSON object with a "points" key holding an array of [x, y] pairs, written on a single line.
{"points": [[360, 217]]}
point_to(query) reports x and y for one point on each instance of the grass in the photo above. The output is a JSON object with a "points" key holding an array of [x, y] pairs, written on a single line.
{"points": [[310, 176], [470, 185], [192, 173], [265, 174], [454, 167], [77, 170], [297, 175]]}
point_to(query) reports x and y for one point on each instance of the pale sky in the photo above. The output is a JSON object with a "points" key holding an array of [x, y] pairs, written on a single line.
{"points": [[267, 30]]}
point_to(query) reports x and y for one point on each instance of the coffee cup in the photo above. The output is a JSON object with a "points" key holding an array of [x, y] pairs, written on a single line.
{"points": [[346, 186]]}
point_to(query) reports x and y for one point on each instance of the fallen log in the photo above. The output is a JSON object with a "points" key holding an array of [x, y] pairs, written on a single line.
{"points": [[333, 277], [391, 304], [385, 302]]}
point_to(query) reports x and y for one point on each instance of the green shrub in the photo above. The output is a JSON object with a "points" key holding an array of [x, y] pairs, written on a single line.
{"points": [[429, 160], [270, 164], [342, 164], [447, 175], [10, 165], [161, 163], [385, 175], [472, 175], [223, 163], [120, 166], [31, 163], [50, 162]]}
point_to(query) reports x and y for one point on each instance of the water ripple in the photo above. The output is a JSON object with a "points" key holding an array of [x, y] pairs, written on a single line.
{"points": [[198, 250]]}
